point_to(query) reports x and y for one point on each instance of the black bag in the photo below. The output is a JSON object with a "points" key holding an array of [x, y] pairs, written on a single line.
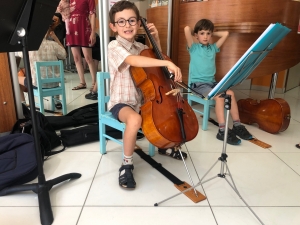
{"points": [[89, 133], [84, 115], [18, 163], [80, 135], [86, 134], [48, 137]]}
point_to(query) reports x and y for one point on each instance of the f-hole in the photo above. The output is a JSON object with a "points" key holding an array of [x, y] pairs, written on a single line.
{"points": [[159, 101]]}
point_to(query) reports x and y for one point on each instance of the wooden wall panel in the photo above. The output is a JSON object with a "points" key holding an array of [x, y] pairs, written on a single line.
{"points": [[7, 104], [159, 16]]}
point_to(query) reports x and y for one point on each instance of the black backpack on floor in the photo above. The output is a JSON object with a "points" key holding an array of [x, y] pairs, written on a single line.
{"points": [[18, 163], [49, 140]]}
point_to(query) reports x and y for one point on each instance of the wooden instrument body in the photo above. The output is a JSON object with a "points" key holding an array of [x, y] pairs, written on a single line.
{"points": [[271, 115], [161, 124]]}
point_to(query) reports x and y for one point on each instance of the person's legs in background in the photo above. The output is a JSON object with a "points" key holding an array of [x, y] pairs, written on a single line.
{"points": [[93, 95], [85, 66], [79, 67], [87, 52], [96, 63]]}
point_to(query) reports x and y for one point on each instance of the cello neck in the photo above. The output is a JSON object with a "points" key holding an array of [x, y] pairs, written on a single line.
{"points": [[151, 39], [157, 52]]}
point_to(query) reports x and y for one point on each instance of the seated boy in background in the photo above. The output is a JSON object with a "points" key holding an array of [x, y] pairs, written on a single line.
{"points": [[202, 71]]}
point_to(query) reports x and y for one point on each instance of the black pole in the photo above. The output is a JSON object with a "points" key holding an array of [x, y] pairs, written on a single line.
{"points": [[46, 213]]}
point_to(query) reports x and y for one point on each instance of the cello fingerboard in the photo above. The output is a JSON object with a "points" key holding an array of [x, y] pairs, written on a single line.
{"points": [[260, 143]]}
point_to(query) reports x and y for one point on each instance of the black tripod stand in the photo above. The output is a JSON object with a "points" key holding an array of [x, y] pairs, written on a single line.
{"points": [[20, 37], [223, 160]]}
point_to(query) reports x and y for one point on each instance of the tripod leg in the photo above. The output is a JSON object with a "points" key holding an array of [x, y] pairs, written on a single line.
{"points": [[46, 214], [42, 190], [35, 186], [236, 191], [208, 172], [227, 168], [190, 188], [69, 176], [18, 188]]}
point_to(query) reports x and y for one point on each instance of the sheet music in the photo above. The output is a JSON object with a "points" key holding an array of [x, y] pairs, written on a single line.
{"points": [[251, 58]]}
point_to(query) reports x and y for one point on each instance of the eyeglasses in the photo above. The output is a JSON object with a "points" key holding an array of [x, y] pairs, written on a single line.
{"points": [[122, 22]]}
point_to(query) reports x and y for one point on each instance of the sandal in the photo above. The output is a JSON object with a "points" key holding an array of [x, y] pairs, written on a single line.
{"points": [[80, 86], [58, 105], [126, 180], [174, 154]]}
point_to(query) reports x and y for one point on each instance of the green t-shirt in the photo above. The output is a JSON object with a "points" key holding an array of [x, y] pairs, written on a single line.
{"points": [[202, 66]]}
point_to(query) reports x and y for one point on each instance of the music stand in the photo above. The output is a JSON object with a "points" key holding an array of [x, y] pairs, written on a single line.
{"points": [[23, 26], [239, 72]]}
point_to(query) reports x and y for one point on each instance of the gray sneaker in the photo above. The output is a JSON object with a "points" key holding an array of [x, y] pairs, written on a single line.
{"points": [[242, 132], [231, 138]]}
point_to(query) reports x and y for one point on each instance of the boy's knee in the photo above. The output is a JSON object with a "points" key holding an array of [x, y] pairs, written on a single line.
{"points": [[136, 121], [139, 120]]}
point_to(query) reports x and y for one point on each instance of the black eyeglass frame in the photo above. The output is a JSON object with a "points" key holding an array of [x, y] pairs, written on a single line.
{"points": [[130, 23]]}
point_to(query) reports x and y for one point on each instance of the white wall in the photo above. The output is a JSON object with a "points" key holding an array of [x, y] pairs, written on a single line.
{"points": [[142, 6]]}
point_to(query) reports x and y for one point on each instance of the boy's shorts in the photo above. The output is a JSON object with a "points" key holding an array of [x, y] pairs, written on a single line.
{"points": [[203, 88], [116, 109]]}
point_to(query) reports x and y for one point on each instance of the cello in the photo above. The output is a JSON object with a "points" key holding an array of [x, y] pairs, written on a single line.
{"points": [[271, 115], [168, 121]]}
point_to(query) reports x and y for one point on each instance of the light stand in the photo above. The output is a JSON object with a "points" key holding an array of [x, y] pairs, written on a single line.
{"points": [[42, 187]]}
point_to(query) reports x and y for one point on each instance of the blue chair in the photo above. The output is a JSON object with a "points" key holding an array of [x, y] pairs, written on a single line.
{"points": [[207, 104], [48, 67], [106, 118]]}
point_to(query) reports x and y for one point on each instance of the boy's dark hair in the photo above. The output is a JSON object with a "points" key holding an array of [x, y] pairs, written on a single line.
{"points": [[204, 24], [120, 6]]}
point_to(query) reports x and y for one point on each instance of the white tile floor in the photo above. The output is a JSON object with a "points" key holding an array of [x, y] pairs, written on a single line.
{"points": [[267, 179]]}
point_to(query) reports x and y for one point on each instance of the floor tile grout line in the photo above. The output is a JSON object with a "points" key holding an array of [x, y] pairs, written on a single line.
{"points": [[201, 184], [285, 162], [83, 206], [209, 204], [274, 153]]}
